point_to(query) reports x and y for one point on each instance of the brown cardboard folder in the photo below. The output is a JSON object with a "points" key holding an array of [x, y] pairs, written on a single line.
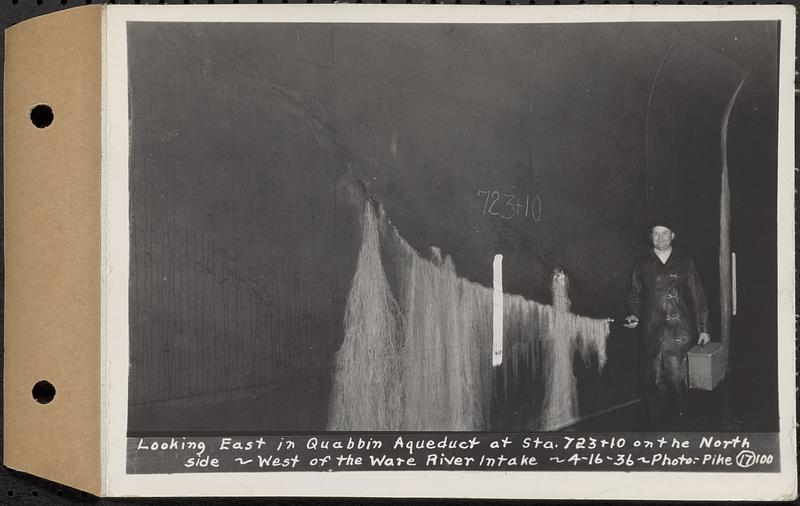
{"points": [[52, 247]]}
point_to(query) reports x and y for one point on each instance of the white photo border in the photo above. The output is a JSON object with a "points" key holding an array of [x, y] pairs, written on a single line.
{"points": [[464, 484]]}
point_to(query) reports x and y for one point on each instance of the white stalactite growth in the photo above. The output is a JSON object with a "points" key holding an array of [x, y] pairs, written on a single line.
{"points": [[365, 390], [565, 333], [417, 348]]}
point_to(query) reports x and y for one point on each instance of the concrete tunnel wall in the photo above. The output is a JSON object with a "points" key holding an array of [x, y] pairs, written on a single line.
{"points": [[246, 241]]}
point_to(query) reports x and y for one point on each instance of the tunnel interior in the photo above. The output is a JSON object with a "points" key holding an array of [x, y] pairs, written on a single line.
{"points": [[244, 239]]}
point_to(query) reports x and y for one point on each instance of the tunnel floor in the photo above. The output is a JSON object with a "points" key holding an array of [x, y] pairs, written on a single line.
{"points": [[745, 401]]}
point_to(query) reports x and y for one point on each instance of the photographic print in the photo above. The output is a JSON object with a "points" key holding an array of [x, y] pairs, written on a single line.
{"points": [[316, 210], [527, 245]]}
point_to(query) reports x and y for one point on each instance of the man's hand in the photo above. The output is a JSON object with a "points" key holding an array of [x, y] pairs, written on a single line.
{"points": [[631, 322], [704, 339]]}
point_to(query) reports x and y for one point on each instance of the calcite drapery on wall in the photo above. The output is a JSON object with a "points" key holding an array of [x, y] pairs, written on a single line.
{"points": [[416, 353]]}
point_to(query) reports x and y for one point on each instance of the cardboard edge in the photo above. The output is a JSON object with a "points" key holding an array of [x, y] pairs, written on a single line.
{"points": [[52, 247]]}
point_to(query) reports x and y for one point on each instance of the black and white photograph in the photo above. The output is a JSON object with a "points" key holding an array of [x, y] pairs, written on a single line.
{"points": [[316, 211], [372, 230]]}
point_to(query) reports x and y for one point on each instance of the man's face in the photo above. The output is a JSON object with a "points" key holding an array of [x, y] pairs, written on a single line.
{"points": [[662, 238]]}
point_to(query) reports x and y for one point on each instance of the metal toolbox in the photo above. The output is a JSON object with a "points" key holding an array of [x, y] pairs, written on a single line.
{"points": [[706, 366]]}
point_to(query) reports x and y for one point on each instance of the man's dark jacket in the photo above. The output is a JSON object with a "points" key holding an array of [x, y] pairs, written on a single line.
{"points": [[669, 301]]}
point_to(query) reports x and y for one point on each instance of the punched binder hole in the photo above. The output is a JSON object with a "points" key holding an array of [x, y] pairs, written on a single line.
{"points": [[43, 392], [42, 116]]}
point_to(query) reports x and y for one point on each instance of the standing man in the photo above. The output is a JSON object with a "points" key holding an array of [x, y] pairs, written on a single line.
{"points": [[667, 297]]}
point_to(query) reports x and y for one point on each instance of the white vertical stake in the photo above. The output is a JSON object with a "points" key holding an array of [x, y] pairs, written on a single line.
{"points": [[733, 283], [497, 312]]}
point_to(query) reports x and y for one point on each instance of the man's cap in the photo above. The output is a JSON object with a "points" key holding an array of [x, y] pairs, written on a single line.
{"points": [[660, 222]]}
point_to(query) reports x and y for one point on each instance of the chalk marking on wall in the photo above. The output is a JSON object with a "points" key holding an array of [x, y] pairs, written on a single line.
{"points": [[493, 205], [497, 312]]}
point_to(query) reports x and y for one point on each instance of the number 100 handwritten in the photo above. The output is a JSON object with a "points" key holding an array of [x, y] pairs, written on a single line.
{"points": [[509, 205]]}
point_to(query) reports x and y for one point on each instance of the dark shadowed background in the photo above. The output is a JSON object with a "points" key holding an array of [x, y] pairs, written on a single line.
{"points": [[244, 235]]}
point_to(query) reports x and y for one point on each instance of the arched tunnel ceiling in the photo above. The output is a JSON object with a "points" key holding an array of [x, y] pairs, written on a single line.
{"points": [[613, 64], [745, 44], [616, 65]]}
